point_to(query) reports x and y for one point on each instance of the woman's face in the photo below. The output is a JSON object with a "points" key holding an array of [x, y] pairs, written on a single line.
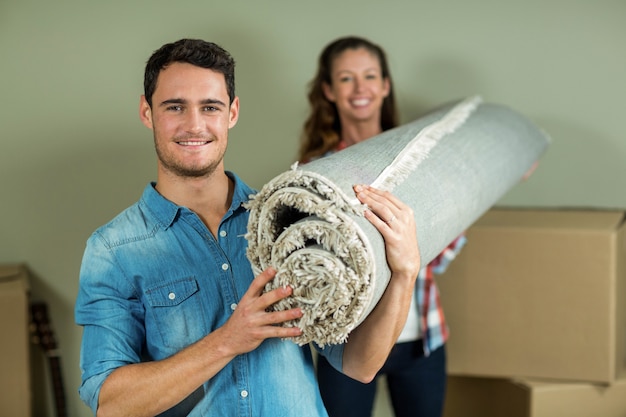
{"points": [[357, 86]]}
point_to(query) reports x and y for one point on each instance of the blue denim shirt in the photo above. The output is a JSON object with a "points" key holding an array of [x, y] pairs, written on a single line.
{"points": [[155, 280]]}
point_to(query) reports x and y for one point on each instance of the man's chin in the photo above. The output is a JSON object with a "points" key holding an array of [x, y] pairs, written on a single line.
{"points": [[191, 173]]}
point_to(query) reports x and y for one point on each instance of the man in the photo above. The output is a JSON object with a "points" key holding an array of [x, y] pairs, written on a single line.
{"points": [[174, 321]]}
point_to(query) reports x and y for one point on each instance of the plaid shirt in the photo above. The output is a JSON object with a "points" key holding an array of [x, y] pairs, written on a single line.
{"points": [[433, 327]]}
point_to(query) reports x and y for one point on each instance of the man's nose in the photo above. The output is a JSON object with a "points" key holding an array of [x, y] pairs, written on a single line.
{"points": [[194, 121]]}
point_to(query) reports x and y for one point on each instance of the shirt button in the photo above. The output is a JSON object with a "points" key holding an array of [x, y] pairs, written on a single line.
{"points": [[171, 296], [244, 394], [233, 306], [225, 267], [223, 233]]}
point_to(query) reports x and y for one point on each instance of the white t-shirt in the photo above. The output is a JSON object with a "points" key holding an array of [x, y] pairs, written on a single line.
{"points": [[411, 330]]}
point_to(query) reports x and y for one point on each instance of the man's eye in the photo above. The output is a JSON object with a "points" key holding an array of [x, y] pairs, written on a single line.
{"points": [[174, 108], [210, 108]]}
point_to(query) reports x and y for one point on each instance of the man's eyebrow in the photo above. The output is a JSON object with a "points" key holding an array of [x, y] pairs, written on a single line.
{"points": [[183, 101], [173, 101], [213, 101]]}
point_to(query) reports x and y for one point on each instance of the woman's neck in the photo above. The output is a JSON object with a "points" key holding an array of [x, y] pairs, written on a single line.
{"points": [[352, 133]]}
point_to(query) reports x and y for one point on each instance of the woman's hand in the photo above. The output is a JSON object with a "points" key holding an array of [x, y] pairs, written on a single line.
{"points": [[396, 223]]}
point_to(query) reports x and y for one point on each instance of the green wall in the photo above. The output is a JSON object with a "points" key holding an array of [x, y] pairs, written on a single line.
{"points": [[73, 152]]}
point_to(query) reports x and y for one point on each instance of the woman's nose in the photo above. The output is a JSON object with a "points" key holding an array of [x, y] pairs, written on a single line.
{"points": [[358, 84]]}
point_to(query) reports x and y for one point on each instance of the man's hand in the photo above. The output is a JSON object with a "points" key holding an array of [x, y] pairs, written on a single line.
{"points": [[252, 323]]}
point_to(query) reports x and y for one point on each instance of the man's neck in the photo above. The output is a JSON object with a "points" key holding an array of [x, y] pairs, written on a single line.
{"points": [[209, 197]]}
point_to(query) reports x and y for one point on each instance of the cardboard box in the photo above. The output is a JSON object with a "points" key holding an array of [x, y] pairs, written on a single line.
{"points": [[539, 293], [491, 397], [15, 380]]}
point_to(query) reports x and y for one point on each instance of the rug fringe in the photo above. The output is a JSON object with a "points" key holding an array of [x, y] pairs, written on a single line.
{"points": [[420, 146]]}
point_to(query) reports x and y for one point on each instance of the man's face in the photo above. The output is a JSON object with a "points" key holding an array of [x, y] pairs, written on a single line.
{"points": [[190, 118]]}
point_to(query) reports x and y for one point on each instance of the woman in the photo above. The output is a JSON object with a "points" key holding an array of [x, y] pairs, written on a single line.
{"points": [[351, 100]]}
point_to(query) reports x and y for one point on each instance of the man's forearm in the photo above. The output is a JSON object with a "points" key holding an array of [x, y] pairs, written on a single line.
{"points": [[150, 388]]}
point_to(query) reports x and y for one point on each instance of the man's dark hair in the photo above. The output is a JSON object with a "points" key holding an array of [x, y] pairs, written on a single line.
{"points": [[192, 51]]}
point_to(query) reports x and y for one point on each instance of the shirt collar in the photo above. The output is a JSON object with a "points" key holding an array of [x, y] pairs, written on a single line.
{"points": [[166, 211], [340, 146], [241, 194]]}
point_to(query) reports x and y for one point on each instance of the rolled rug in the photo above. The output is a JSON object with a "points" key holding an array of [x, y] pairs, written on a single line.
{"points": [[449, 166]]}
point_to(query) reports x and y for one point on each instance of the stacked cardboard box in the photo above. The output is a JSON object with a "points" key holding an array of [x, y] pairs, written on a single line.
{"points": [[499, 397], [15, 387], [538, 294]]}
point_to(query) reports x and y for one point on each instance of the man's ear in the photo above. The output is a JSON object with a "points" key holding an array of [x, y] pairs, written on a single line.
{"points": [[145, 112], [234, 112], [328, 92]]}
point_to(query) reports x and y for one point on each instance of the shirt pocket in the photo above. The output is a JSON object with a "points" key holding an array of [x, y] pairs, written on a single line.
{"points": [[174, 313]]}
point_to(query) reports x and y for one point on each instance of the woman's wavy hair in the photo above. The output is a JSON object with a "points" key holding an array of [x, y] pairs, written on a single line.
{"points": [[322, 128]]}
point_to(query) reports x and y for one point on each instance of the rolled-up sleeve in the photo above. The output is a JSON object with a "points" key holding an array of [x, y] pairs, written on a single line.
{"points": [[109, 310]]}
